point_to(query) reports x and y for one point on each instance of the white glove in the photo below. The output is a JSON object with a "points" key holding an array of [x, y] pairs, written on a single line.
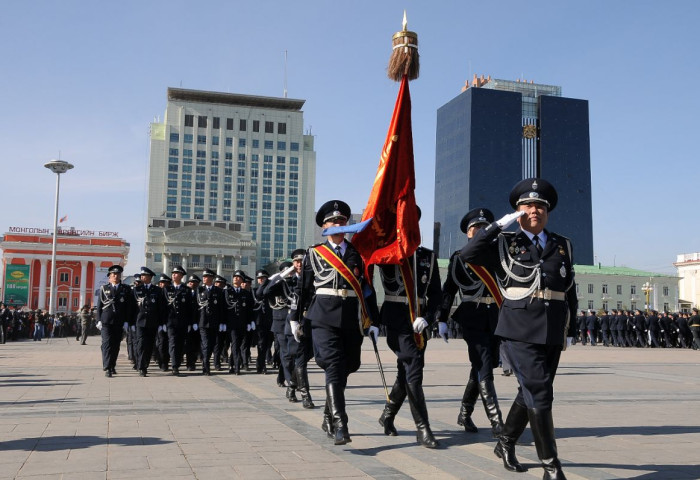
{"points": [[419, 324], [373, 332], [133, 328], [296, 330], [99, 326], [509, 218], [274, 277], [126, 326], [195, 327], [165, 329], [442, 331], [160, 328], [252, 325], [189, 328], [247, 328], [569, 341]]}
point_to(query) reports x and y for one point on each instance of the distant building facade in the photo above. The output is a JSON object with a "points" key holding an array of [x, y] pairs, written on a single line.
{"points": [[82, 260], [497, 132], [231, 184], [688, 266]]}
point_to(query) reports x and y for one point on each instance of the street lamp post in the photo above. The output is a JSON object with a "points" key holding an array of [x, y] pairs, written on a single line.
{"points": [[647, 289], [58, 167]]}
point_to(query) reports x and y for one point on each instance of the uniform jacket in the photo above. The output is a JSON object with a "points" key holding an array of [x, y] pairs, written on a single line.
{"points": [[262, 309], [211, 306], [532, 320], [327, 310], [181, 306], [152, 306], [239, 307], [278, 294], [427, 278], [116, 304]]}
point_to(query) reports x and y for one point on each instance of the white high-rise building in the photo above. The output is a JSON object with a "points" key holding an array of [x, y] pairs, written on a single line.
{"points": [[232, 182]]}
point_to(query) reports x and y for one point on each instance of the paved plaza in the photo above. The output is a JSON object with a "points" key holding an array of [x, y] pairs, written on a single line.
{"points": [[619, 413]]}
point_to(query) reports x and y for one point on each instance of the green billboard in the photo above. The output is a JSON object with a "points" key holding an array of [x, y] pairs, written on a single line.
{"points": [[16, 285]]}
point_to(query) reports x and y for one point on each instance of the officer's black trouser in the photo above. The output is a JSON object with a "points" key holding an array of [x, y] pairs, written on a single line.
{"points": [[208, 337], [176, 344], [337, 351], [235, 360], [145, 339], [111, 340], [410, 360], [163, 346], [193, 347], [264, 341], [535, 367], [479, 347]]}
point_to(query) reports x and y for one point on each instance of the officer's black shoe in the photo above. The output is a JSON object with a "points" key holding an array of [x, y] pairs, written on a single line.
{"points": [[327, 425], [505, 448], [303, 386], [142, 373], [291, 395], [218, 368], [542, 428], [507, 373], [280, 384], [391, 408], [464, 419], [176, 371], [108, 373], [135, 367], [419, 410]]}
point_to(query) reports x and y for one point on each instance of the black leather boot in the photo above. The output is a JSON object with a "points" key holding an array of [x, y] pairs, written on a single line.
{"points": [[336, 400], [303, 386], [471, 392], [514, 427], [291, 389], [542, 427], [391, 408], [488, 396], [419, 410], [327, 425]]}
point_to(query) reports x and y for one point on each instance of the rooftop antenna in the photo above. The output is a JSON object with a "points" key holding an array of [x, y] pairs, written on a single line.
{"points": [[285, 74]]}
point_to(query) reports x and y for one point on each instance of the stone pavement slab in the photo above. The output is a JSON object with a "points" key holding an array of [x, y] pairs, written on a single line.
{"points": [[619, 413]]}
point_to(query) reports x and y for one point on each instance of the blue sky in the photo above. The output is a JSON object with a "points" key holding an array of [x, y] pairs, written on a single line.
{"points": [[86, 78]]}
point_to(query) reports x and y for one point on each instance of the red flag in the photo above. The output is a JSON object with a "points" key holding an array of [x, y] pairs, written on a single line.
{"points": [[63, 219], [393, 234]]}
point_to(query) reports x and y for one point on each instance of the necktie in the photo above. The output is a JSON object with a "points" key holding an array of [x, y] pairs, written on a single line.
{"points": [[538, 244], [338, 252]]}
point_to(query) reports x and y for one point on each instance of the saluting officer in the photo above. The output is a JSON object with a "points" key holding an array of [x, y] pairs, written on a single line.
{"points": [[115, 311], [211, 315], [412, 299], [477, 314], [332, 277], [535, 271], [180, 312], [239, 316], [278, 293], [193, 342], [152, 313]]}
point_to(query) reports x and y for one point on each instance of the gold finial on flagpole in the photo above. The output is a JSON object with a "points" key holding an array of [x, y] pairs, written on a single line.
{"points": [[404, 56]]}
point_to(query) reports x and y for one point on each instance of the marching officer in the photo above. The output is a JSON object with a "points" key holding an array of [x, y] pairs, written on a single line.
{"points": [[477, 314], [239, 316], [115, 311], [223, 337], [534, 268], [278, 293], [162, 351], [211, 316], [263, 319], [131, 331], [412, 299], [193, 342], [151, 314], [180, 312], [332, 278]]}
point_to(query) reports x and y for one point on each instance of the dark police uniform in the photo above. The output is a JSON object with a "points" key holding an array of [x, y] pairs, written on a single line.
{"points": [[334, 313], [162, 351], [263, 319], [193, 341], [395, 314], [534, 320], [278, 294], [181, 307], [477, 314], [152, 313], [115, 308], [239, 313], [211, 313]]}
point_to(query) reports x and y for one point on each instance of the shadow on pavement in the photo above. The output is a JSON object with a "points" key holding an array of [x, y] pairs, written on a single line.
{"points": [[64, 442]]}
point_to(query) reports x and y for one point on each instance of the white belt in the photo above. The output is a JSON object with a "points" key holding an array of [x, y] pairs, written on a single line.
{"points": [[484, 300], [545, 294], [401, 299], [336, 292]]}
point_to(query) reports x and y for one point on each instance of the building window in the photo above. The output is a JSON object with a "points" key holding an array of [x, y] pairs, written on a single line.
{"points": [[281, 145], [269, 127], [256, 125], [633, 289], [242, 125], [214, 140], [269, 144], [202, 139], [294, 146], [619, 291], [62, 301], [189, 120], [216, 123], [229, 141], [665, 290], [633, 306], [605, 289], [188, 138], [241, 143], [665, 306], [619, 305], [256, 143], [64, 277], [202, 122], [605, 306], [282, 128], [590, 304], [174, 137], [229, 124]]}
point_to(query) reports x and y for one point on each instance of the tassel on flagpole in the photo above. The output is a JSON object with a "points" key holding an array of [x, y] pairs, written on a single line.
{"points": [[404, 56]]}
